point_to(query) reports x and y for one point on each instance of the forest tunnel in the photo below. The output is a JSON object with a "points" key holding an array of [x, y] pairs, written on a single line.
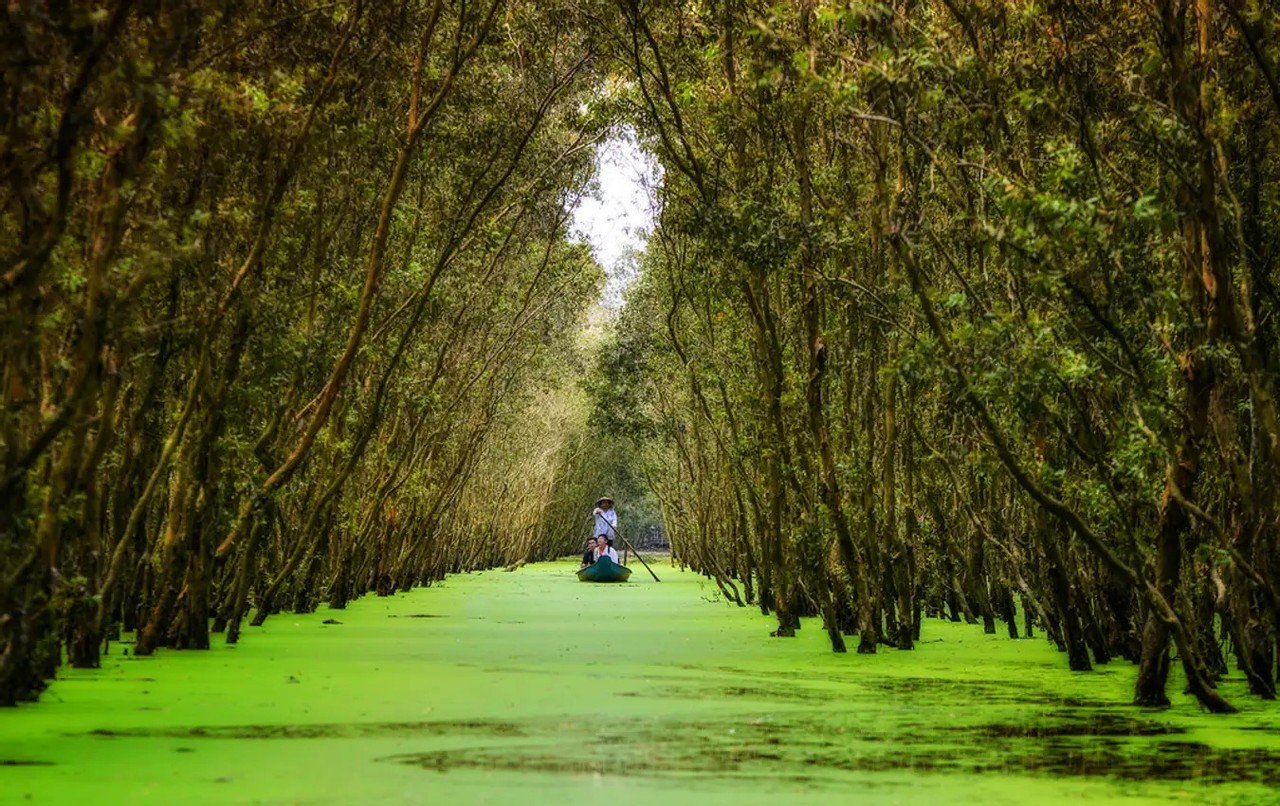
{"points": [[948, 309]]}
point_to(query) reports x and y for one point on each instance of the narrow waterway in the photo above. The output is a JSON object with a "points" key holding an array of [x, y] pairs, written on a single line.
{"points": [[530, 687]]}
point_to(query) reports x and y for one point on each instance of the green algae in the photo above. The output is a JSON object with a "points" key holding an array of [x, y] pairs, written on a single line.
{"points": [[528, 686]]}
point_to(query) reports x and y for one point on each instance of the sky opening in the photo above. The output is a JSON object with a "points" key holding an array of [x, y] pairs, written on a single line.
{"points": [[618, 211]]}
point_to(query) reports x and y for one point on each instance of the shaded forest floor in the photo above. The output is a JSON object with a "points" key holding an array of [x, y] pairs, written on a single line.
{"points": [[500, 687]]}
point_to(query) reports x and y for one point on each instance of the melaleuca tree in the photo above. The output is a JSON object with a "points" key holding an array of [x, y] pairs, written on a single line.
{"points": [[274, 278], [969, 293]]}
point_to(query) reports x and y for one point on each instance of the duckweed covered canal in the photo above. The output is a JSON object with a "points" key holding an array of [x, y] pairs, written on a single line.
{"points": [[530, 687]]}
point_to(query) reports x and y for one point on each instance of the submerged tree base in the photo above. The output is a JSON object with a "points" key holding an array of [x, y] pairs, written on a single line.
{"points": [[505, 686]]}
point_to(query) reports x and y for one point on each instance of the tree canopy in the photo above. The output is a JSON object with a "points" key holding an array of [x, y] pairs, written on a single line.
{"points": [[958, 308], [973, 311]]}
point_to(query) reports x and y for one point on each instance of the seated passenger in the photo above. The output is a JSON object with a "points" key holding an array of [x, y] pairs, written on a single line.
{"points": [[589, 556], [604, 548]]}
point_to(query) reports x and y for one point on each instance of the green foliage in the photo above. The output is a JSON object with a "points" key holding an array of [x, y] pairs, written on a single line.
{"points": [[983, 255]]}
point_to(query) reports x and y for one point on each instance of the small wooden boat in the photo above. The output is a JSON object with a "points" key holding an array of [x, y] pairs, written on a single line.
{"points": [[604, 570]]}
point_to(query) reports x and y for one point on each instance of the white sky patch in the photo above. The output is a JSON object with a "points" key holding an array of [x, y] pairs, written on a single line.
{"points": [[617, 214]]}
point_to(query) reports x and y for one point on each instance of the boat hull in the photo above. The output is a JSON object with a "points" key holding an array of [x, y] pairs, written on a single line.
{"points": [[604, 570]]}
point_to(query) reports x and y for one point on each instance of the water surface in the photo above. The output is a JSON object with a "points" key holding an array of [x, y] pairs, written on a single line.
{"points": [[531, 687]]}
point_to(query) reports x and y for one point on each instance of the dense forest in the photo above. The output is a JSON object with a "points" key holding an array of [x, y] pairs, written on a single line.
{"points": [[973, 304], [957, 308], [288, 302]]}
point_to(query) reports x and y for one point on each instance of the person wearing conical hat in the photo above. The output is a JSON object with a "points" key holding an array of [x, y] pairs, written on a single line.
{"points": [[606, 519]]}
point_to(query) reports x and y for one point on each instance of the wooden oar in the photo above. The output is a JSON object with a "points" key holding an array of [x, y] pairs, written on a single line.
{"points": [[633, 549]]}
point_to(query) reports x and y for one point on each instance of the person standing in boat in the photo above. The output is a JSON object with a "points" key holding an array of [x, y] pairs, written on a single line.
{"points": [[606, 518]]}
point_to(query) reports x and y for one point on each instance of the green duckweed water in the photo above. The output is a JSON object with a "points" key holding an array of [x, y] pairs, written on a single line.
{"points": [[530, 687]]}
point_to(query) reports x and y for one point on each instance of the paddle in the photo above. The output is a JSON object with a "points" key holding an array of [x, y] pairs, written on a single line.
{"points": [[633, 549]]}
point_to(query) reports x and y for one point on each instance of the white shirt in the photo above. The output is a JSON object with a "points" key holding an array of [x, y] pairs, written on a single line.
{"points": [[607, 522], [609, 552]]}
